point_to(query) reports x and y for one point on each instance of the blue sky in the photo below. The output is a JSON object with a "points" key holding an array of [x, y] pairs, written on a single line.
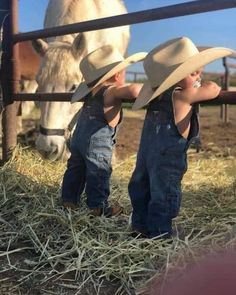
{"points": [[207, 29]]}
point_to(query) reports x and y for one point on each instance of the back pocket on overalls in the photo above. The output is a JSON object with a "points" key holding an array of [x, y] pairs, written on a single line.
{"points": [[100, 148]]}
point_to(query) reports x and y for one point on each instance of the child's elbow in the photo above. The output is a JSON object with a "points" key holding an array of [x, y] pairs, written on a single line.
{"points": [[135, 89], [214, 89]]}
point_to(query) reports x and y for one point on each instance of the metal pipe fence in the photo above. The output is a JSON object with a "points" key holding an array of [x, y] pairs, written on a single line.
{"points": [[166, 12]]}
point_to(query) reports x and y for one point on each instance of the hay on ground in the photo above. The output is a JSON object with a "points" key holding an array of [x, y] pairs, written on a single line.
{"points": [[55, 249]]}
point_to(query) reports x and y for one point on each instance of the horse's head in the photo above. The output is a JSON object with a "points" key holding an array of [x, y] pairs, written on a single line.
{"points": [[59, 72]]}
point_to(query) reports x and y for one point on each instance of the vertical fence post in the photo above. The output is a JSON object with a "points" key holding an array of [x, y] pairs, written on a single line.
{"points": [[225, 115], [9, 79], [222, 79]]}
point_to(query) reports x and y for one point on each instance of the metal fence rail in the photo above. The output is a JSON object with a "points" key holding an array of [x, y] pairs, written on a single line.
{"points": [[228, 97], [171, 11]]}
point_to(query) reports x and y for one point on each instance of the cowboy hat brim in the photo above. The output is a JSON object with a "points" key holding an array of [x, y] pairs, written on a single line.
{"points": [[83, 88], [192, 64]]}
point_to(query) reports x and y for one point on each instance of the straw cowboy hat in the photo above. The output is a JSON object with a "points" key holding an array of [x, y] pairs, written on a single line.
{"points": [[170, 62], [100, 65]]}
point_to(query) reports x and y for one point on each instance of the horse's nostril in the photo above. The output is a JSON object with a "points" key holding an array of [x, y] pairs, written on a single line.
{"points": [[43, 154], [49, 154], [53, 154], [51, 147], [54, 150]]}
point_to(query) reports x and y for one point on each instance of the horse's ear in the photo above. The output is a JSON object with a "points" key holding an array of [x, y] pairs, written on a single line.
{"points": [[40, 46], [79, 46]]}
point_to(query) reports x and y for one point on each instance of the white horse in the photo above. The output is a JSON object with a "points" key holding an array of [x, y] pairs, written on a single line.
{"points": [[59, 71]]}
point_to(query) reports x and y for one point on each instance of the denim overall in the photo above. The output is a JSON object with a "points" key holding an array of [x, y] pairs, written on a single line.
{"points": [[89, 165], [155, 186]]}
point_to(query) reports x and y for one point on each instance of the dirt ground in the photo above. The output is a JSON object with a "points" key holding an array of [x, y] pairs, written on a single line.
{"points": [[217, 138]]}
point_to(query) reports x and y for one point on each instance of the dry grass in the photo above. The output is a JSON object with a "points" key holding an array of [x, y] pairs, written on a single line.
{"points": [[68, 251]]}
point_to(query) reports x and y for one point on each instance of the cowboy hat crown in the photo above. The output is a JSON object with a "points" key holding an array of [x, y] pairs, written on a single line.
{"points": [[99, 62], [172, 61], [100, 65]]}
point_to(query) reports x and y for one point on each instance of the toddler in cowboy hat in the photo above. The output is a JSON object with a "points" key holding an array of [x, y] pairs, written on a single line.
{"points": [[89, 166], [173, 70]]}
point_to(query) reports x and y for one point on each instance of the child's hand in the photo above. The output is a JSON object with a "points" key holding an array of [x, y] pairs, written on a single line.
{"points": [[208, 90], [197, 84], [212, 86], [135, 89]]}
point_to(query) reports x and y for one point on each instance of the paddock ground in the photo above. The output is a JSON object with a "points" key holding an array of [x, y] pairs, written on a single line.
{"points": [[217, 138]]}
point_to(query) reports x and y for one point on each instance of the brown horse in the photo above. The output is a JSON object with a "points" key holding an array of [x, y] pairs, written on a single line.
{"points": [[29, 61]]}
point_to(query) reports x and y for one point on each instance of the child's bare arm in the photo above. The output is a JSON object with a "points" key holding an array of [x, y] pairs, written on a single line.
{"points": [[208, 90], [128, 91]]}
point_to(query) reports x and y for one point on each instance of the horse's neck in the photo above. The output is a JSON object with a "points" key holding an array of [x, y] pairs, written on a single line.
{"points": [[63, 12]]}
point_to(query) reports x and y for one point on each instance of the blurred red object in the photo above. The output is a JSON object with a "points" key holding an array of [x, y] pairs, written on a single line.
{"points": [[214, 275]]}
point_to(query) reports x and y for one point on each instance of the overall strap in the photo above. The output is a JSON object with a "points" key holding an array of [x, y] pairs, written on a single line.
{"points": [[89, 97]]}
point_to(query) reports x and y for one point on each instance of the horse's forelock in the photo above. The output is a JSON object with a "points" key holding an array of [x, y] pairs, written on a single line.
{"points": [[58, 55]]}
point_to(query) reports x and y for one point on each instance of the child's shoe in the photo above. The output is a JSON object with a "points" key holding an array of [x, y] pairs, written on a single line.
{"points": [[69, 205], [137, 234], [107, 212]]}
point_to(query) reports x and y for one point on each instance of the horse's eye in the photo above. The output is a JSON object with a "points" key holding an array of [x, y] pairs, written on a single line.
{"points": [[74, 87]]}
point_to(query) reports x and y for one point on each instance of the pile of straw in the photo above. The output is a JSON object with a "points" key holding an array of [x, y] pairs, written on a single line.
{"points": [[60, 251]]}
